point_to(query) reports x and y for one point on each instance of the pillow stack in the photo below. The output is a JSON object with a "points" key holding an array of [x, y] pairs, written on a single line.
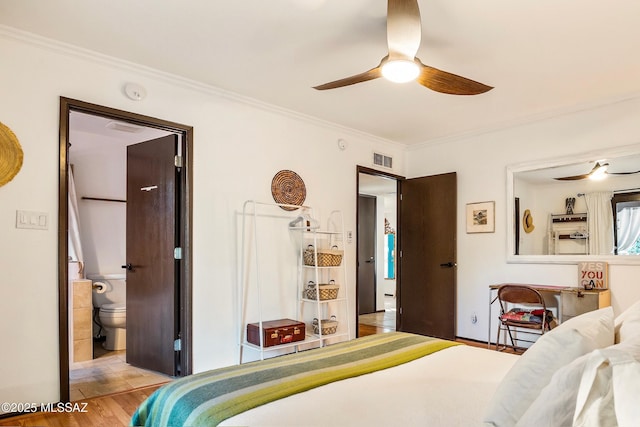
{"points": [[573, 375]]}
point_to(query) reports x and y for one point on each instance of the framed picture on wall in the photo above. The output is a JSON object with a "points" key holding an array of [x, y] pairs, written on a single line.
{"points": [[481, 217]]}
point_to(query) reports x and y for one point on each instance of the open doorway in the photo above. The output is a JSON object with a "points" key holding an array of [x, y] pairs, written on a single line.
{"points": [[95, 256], [424, 254], [376, 252]]}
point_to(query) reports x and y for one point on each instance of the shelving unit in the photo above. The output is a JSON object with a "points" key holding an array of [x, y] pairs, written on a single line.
{"points": [[321, 240], [254, 283], [568, 234]]}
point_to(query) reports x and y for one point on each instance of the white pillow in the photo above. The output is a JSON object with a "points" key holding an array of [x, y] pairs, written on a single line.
{"points": [[555, 349], [609, 392], [627, 324], [556, 404]]}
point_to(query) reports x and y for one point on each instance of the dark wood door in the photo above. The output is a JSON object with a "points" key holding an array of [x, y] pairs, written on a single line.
{"points": [[152, 279], [427, 268], [366, 254]]}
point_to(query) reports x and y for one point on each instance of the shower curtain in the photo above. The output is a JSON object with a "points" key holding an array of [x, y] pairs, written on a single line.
{"points": [[600, 222], [74, 245]]}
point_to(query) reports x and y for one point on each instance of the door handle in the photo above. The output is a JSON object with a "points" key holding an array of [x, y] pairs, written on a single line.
{"points": [[449, 264], [128, 266], [370, 260]]}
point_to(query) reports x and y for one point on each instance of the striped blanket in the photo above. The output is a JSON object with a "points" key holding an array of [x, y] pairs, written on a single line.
{"points": [[208, 398]]}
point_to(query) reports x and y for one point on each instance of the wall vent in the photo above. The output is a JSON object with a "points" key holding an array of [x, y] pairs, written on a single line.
{"points": [[124, 127], [383, 160]]}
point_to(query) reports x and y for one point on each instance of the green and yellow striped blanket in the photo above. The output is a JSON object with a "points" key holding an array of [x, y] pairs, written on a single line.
{"points": [[208, 398]]}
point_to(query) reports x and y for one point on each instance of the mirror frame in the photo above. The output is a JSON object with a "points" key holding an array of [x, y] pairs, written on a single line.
{"points": [[511, 170]]}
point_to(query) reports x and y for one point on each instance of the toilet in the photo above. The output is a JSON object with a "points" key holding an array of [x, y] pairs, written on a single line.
{"points": [[109, 295]]}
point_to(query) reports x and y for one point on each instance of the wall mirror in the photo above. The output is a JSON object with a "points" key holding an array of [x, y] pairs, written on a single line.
{"points": [[566, 221]]}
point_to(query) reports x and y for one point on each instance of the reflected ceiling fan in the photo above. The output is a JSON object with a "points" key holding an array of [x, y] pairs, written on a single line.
{"points": [[599, 171], [401, 65]]}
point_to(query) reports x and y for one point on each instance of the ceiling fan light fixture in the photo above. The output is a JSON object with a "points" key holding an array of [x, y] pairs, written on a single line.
{"points": [[400, 70], [599, 173]]}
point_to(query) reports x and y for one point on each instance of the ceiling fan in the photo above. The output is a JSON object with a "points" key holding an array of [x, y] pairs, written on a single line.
{"points": [[599, 171], [401, 65]]}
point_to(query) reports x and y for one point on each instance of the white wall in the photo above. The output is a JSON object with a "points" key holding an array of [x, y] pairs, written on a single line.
{"points": [[482, 257], [238, 147], [101, 173]]}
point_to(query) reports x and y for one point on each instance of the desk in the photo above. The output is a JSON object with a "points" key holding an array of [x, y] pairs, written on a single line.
{"points": [[596, 299]]}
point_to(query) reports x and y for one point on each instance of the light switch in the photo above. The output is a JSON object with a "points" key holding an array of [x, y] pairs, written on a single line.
{"points": [[33, 220]]}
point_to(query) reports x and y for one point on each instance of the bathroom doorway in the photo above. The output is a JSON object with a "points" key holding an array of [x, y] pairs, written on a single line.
{"points": [[93, 136]]}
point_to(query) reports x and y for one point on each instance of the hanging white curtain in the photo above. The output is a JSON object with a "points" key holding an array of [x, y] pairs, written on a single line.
{"points": [[600, 222], [628, 229], [75, 247]]}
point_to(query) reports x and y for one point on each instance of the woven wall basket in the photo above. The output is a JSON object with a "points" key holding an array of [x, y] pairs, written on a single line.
{"points": [[10, 155], [288, 188]]}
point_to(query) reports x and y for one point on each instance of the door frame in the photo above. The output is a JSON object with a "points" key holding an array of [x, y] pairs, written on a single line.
{"points": [[185, 301], [383, 174]]}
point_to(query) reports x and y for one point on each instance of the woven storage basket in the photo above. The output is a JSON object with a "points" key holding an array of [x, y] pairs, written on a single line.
{"points": [[329, 326], [326, 257], [327, 290]]}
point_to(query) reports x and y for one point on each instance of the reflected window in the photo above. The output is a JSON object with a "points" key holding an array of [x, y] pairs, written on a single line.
{"points": [[626, 208]]}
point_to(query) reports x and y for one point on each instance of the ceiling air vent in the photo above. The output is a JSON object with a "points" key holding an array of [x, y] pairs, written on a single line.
{"points": [[383, 160]]}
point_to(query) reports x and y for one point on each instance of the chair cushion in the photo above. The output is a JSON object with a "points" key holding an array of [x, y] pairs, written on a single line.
{"points": [[526, 316]]}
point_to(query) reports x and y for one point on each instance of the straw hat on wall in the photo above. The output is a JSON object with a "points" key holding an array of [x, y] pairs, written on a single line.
{"points": [[10, 155], [527, 221]]}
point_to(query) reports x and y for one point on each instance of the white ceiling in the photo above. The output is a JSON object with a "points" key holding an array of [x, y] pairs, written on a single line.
{"points": [[88, 133], [543, 57], [375, 185]]}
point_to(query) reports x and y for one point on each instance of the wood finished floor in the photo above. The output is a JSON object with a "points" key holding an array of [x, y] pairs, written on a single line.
{"points": [[114, 410]]}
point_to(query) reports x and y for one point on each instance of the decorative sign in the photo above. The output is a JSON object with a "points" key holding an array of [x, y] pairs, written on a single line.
{"points": [[593, 275]]}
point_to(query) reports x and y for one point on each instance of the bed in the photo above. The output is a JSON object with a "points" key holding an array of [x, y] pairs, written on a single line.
{"points": [[405, 379]]}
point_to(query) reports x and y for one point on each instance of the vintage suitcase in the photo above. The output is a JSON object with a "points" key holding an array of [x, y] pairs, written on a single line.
{"points": [[276, 332]]}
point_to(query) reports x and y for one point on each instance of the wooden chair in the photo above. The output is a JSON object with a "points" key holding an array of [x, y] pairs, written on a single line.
{"points": [[521, 307]]}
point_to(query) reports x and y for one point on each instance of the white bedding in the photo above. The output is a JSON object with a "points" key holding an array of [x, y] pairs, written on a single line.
{"points": [[451, 387]]}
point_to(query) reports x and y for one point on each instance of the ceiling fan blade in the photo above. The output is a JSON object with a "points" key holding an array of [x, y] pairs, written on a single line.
{"points": [[622, 173], [373, 73], [444, 82], [583, 176], [404, 30], [574, 178]]}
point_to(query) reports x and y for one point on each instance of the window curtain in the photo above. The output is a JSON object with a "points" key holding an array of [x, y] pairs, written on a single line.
{"points": [[74, 245], [600, 222], [628, 229]]}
